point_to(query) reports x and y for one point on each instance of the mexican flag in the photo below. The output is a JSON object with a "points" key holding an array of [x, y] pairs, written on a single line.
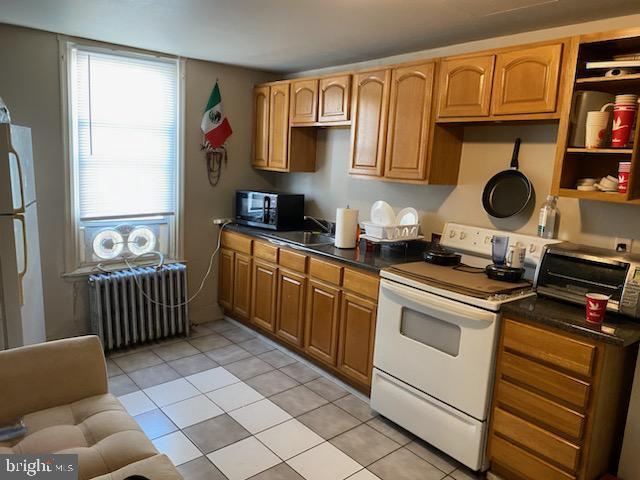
{"points": [[215, 125]]}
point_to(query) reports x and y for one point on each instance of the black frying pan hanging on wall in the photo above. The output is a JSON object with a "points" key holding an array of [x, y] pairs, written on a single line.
{"points": [[508, 192]]}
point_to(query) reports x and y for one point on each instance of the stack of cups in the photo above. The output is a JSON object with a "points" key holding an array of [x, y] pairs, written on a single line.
{"points": [[624, 113], [623, 176], [596, 128]]}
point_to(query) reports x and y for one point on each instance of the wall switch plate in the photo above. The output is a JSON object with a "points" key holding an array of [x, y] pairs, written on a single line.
{"points": [[623, 244]]}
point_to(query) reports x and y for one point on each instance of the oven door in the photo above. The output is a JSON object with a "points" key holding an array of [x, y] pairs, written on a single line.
{"points": [[441, 347]]}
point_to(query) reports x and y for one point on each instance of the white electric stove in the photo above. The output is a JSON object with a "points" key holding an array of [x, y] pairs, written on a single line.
{"points": [[435, 343]]}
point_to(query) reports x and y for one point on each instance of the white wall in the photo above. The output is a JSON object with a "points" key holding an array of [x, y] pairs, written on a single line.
{"points": [[486, 150], [30, 85]]}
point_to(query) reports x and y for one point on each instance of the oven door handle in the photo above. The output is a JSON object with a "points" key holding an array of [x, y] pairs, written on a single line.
{"points": [[440, 306]]}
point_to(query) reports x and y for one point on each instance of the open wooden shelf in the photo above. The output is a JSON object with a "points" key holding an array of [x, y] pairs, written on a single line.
{"points": [[620, 79], [622, 151], [574, 163], [601, 196]]}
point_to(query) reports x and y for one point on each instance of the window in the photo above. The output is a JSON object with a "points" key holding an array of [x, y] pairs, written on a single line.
{"points": [[124, 154]]}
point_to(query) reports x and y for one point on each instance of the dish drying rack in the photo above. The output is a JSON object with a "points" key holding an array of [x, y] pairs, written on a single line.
{"points": [[390, 233]]}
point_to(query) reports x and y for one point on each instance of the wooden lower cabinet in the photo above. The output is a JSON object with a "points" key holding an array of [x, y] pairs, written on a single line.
{"points": [[290, 307], [264, 295], [225, 278], [559, 404], [321, 309], [242, 285], [356, 337], [321, 329]]}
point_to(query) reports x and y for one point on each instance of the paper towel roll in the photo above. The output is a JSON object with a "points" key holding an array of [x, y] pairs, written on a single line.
{"points": [[346, 227]]}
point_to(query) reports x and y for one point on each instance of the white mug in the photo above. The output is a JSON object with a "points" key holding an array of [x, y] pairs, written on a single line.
{"points": [[515, 256], [596, 128]]}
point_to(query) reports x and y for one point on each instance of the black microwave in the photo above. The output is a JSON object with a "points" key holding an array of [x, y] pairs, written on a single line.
{"points": [[273, 210]]}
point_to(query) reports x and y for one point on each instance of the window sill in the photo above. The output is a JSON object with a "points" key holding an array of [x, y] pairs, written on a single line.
{"points": [[85, 271]]}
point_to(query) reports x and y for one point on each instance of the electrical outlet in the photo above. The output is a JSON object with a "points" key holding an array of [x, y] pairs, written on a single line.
{"points": [[220, 221], [623, 244]]}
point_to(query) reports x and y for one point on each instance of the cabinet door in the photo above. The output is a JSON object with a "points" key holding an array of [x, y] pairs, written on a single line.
{"points": [[260, 127], [369, 122], [290, 309], [304, 101], [334, 99], [264, 292], [242, 285], [323, 312], [465, 86], [409, 122], [279, 126], [526, 81], [225, 278], [357, 331]]}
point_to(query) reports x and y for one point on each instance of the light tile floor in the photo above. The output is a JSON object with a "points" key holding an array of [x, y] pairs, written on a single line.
{"points": [[228, 404]]}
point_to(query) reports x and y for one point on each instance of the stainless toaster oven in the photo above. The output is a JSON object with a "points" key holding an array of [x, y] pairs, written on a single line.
{"points": [[568, 271]]}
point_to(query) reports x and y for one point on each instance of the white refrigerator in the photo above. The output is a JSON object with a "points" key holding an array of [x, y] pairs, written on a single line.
{"points": [[21, 299]]}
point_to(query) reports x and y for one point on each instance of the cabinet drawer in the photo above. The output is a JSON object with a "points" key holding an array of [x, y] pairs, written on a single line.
{"points": [[237, 242], [523, 463], [549, 347], [326, 271], [361, 283], [541, 409], [265, 251], [554, 383], [540, 441], [293, 260]]}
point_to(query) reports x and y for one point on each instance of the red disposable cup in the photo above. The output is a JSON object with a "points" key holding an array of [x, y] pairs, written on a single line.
{"points": [[623, 116], [623, 182], [596, 307]]}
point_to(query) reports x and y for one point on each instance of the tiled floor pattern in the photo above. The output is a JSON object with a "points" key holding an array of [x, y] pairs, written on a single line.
{"points": [[226, 404]]}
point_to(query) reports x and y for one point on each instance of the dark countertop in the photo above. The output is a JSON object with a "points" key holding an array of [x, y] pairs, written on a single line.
{"points": [[372, 261], [616, 329]]}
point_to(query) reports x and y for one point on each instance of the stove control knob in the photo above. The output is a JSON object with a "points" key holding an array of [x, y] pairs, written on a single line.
{"points": [[532, 247], [487, 239], [463, 235], [452, 234]]}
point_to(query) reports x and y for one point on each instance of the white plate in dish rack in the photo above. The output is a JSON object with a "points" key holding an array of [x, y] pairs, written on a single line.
{"points": [[407, 216], [382, 213]]}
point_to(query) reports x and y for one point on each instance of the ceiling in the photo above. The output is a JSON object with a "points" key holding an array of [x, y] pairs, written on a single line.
{"points": [[295, 35]]}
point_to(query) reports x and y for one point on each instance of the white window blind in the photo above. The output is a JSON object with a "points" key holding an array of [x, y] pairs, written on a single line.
{"points": [[125, 114]]}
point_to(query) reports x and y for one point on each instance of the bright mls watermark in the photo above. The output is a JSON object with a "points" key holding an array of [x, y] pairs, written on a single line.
{"points": [[37, 467]]}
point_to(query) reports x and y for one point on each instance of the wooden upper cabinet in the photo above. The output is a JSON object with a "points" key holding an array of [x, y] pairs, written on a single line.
{"points": [[369, 122], [225, 280], [323, 313], [526, 80], [279, 126], [409, 122], [334, 99], [290, 307], [242, 285], [260, 157], [265, 288], [304, 101], [356, 337], [465, 86]]}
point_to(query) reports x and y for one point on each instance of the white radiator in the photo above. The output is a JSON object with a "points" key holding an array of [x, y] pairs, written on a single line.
{"points": [[139, 305]]}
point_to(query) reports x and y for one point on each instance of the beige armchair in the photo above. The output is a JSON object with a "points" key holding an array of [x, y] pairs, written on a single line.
{"points": [[60, 388]]}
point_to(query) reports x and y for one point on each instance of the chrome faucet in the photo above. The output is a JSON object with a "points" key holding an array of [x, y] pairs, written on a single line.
{"points": [[326, 228]]}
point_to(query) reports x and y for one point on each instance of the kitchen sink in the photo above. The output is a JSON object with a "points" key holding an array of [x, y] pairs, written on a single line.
{"points": [[305, 239]]}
